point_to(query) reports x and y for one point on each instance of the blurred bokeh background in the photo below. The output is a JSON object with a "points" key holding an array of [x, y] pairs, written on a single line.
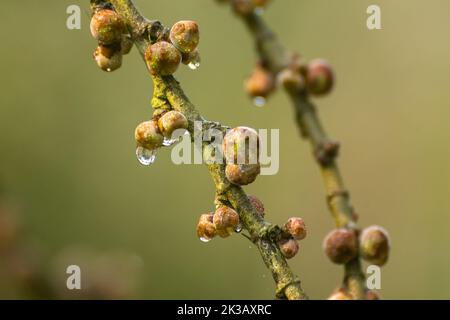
{"points": [[67, 161]]}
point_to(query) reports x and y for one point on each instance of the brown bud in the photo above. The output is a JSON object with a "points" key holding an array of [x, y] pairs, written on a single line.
{"points": [[162, 58], [205, 227], [319, 77], [288, 247], [242, 174], [374, 245], [372, 295], [340, 294], [185, 36], [241, 146], [257, 205], [225, 221], [260, 83], [296, 227], [341, 246], [291, 80], [171, 121], [147, 135], [107, 27], [108, 58]]}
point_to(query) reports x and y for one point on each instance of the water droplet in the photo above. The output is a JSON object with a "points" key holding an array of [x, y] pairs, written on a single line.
{"points": [[145, 156], [259, 101], [194, 62], [204, 239], [108, 70], [194, 65], [168, 142], [238, 228]]}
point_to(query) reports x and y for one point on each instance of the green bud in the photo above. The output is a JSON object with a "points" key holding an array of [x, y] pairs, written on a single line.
{"points": [[162, 58]]}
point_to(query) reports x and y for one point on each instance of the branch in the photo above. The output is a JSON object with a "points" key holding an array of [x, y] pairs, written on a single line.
{"points": [[145, 32], [277, 58]]}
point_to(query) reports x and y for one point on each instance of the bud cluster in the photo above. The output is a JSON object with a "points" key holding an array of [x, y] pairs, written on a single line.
{"points": [[296, 229], [180, 46], [151, 135], [110, 31], [315, 78], [372, 244], [223, 222]]}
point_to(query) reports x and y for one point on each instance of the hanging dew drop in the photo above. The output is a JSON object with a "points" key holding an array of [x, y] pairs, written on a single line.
{"points": [[194, 62], [259, 11], [145, 156], [194, 65], [238, 228], [168, 142], [108, 70], [204, 239], [259, 101]]}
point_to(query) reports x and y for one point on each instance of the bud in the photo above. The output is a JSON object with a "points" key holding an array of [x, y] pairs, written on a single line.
{"points": [[296, 227], [185, 36], [341, 246], [171, 121], [242, 174], [372, 295], [108, 58], [162, 58], [205, 227], [319, 77], [225, 221], [374, 245], [291, 80], [260, 83], [288, 247], [107, 27], [257, 205], [340, 294], [241, 146], [147, 135]]}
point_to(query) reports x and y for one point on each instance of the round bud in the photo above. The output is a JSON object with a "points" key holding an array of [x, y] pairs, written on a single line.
{"points": [[107, 27], [108, 58], [288, 247], [127, 44], [260, 83], [257, 205], [171, 121], [225, 221], [241, 146], [162, 58], [205, 227], [291, 80], [296, 227], [340, 294], [374, 245], [242, 174], [341, 246], [319, 77], [372, 295], [147, 135], [185, 36]]}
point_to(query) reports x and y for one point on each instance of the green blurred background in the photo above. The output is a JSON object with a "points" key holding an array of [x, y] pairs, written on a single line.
{"points": [[67, 146]]}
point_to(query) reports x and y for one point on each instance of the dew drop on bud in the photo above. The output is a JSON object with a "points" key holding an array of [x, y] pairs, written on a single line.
{"points": [[108, 70], [238, 228], [259, 101], [194, 65], [168, 142], [259, 11], [205, 239], [145, 156]]}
